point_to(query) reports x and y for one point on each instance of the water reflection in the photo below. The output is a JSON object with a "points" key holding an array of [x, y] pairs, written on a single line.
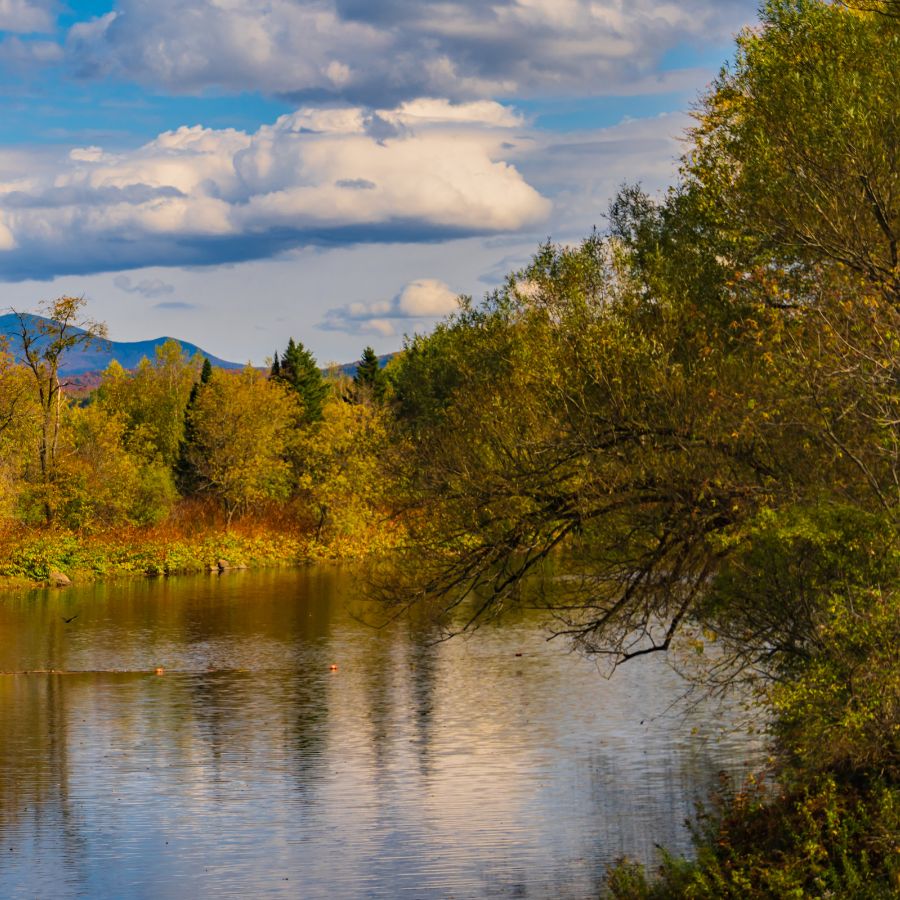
{"points": [[250, 768]]}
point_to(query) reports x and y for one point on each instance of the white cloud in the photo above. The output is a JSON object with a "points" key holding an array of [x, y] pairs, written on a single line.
{"points": [[426, 297], [244, 310], [195, 196], [422, 299], [438, 111], [385, 51], [26, 16]]}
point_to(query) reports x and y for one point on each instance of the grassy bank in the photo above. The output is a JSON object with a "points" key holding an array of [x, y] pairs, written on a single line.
{"points": [[194, 541]]}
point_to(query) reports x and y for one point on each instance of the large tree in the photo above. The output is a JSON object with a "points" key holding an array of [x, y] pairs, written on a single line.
{"points": [[42, 343], [651, 401], [574, 409]]}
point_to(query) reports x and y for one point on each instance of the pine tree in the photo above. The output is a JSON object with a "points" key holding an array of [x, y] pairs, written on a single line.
{"points": [[299, 370], [288, 361], [186, 477], [369, 380], [276, 367]]}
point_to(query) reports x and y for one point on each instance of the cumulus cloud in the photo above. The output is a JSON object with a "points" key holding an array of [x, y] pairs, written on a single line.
{"points": [[424, 298], [27, 16], [396, 49], [422, 171]]}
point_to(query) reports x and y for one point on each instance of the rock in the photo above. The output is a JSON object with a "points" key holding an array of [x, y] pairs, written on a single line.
{"points": [[226, 566], [57, 579]]}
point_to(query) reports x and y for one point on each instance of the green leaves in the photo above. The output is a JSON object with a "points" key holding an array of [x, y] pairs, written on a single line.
{"points": [[241, 426], [798, 143], [369, 381], [297, 368]]}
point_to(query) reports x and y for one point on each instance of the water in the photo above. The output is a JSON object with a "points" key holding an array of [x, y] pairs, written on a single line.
{"points": [[497, 766]]}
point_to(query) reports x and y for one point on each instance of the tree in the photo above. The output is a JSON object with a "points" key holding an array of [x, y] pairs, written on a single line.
{"points": [[369, 381], [43, 343], [728, 354], [299, 370], [648, 424], [17, 415], [103, 482], [240, 426], [186, 475], [13, 390], [342, 481], [796, 146], [152, 399]]}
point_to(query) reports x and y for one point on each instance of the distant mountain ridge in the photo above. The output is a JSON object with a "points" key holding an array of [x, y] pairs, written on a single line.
{"points": [[99, 354]]}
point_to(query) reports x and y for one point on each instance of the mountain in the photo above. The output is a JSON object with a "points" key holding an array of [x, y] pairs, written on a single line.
{"points": [[99, 354]]}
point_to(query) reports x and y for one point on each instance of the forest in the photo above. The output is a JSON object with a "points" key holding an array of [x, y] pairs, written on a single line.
{"points": [[697, 409], [158, 467]]}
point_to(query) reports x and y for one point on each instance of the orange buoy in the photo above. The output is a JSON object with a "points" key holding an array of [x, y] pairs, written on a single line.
{"points": [[333, 667], [160, 670]]}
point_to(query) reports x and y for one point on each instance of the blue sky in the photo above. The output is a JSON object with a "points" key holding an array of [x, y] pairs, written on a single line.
{"points": [[237, 171]]}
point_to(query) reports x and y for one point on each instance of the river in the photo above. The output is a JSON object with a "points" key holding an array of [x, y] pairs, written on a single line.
{"points": [[254, 735]]}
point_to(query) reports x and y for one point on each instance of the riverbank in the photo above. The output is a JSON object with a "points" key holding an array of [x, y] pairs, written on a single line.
{"points": [[33, 557]]}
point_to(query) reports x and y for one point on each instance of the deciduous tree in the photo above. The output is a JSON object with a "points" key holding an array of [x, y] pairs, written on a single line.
{"points": [[42, 343], [241, 426], [152, 399], [797, 144]]}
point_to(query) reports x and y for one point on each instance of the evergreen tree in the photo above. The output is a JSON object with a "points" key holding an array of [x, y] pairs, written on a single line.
{"points": [[276, 367], [288, 361], [186, 475], [369, 380], [298, 369]]}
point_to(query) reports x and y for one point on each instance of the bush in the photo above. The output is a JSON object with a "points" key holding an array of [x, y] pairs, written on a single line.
{"points": [[825, 838]]}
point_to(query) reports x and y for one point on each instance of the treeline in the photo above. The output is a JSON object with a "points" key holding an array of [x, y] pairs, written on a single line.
{"points": [[176, 431]]}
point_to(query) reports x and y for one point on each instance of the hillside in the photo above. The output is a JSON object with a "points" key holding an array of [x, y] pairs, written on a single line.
{"points": [[98, 355]]}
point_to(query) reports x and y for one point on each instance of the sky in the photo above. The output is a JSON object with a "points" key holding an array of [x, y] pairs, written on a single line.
{"points": [[237, 172]]}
